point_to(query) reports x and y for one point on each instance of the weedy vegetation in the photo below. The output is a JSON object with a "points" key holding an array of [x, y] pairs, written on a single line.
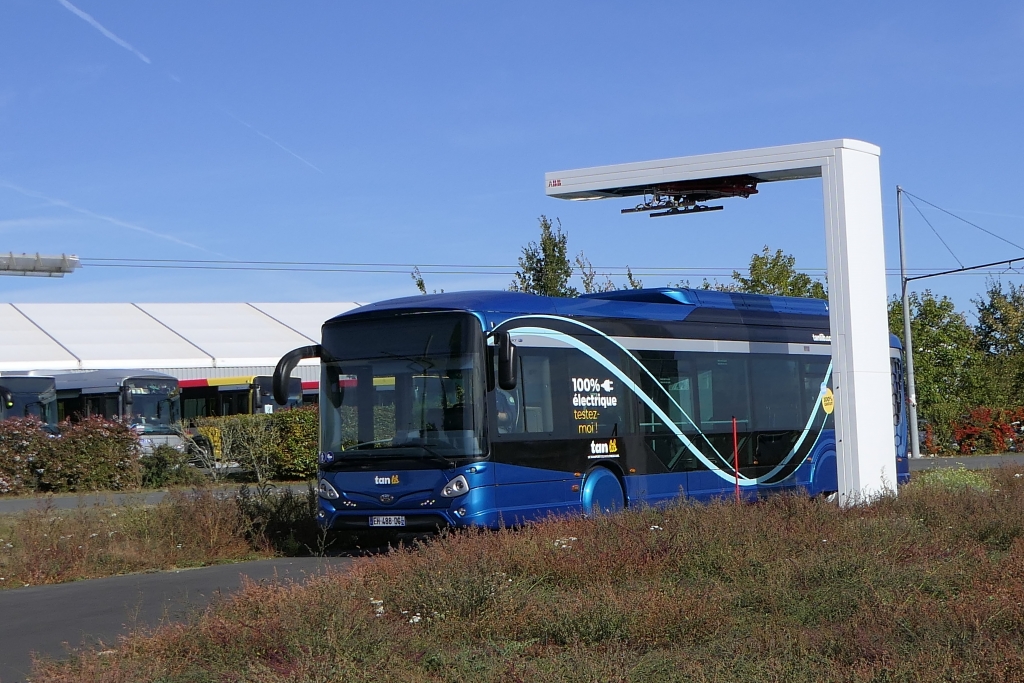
{"points": [[925, 586], [187, 529]]}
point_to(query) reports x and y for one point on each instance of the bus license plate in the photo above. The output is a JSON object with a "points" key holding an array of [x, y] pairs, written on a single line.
{"points": [[388, 520]]}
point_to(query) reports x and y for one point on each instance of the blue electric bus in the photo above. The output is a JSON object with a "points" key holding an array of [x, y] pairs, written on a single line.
{"points": [[483, 408]]}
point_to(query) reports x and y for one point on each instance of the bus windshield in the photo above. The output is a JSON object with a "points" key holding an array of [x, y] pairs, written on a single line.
{"points": [[33, 397], [410, 387], [154, 405], [41, 406]]}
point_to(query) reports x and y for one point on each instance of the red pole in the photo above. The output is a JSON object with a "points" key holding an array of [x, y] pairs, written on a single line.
{"points": [[736, 457]]}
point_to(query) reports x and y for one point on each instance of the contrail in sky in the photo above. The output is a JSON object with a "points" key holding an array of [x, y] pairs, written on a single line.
{"points": [[92, 214], [270, 139], [99, 27], [126, 45]]}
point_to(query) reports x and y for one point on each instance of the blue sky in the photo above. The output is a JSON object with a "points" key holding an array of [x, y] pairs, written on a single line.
{"points": [[419, 133]]}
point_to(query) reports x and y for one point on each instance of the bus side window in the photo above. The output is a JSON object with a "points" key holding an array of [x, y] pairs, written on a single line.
{"points": [[814, 373], [776, 394], [897, 391], [536, 382], [529, 407], [723, 392], [675, 395]]}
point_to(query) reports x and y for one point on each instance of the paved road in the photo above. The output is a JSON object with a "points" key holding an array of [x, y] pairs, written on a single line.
{"points": [[42, 619], [971, 462], [72, 501]]}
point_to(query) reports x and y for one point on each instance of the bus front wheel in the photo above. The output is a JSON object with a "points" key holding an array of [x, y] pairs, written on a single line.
{"points": [[602, 492]]}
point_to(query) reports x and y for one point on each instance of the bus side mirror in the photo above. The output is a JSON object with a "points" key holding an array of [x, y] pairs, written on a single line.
{"points": [[507, 379], [6, 397], [284, 368], [128, 398]]}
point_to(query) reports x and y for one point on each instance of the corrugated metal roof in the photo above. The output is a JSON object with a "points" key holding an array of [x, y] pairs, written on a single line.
{"points": [[204, 336]]}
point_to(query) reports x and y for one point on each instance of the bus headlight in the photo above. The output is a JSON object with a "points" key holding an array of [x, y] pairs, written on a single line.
{"points": [[456, 487], [327, 491]]}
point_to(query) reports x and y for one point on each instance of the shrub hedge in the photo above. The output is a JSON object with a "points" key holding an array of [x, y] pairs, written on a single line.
{"points": [[279, 445], [91, 455]]}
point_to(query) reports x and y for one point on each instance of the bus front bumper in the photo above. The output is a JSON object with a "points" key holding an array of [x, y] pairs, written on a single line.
{"points": [[472, 509]]}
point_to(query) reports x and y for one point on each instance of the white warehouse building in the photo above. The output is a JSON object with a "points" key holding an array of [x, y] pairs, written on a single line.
{"points": [[188, 341]]}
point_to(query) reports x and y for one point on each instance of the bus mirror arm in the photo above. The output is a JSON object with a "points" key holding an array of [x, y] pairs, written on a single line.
{"points": [[506, 351], [284, 368]]}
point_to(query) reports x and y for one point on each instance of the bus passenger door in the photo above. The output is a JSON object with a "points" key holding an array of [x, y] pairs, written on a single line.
{"points": [[532, 476]]}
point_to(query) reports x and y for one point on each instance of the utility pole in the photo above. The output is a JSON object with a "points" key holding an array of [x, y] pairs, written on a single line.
{"points": [[908, 347]]}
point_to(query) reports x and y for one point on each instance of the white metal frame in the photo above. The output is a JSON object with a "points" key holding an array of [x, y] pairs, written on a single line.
{"points": [[851, 184]]}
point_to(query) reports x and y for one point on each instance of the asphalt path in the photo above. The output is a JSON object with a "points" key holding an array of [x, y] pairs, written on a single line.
{"points": [[970, 462], [51, 621], [70, 502]]}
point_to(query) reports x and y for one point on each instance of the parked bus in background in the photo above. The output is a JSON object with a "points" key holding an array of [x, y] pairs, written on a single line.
{"points": [[310, 392], [483, 408], [148, 402], [31, 396], [222, 396], [6, 402]]}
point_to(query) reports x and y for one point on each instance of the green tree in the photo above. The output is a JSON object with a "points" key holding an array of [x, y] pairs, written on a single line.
{"points": [[946, 359], [544, 267], [632, 282], [776, 274], [589, 276], [1000, 334], [1001, 319], [417, 278]]}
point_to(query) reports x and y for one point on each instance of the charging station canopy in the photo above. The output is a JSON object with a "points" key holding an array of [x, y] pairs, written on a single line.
{"points": [[851, 185]]}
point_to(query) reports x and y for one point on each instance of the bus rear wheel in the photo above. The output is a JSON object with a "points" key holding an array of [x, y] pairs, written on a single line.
{"points": [[602, 492]]}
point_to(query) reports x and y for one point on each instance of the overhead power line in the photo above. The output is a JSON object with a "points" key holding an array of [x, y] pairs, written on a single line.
{"points": [[431, 268]]}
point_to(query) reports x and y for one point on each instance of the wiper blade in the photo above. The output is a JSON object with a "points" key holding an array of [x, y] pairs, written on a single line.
{"points": [[351, 452], [430, 451]]}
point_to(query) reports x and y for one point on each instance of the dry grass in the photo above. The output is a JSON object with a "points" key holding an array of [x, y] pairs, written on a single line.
{"points": [[925, 587], [52, 546], [187, 529]]}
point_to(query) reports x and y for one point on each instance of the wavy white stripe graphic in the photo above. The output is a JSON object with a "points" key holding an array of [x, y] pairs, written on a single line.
{"points": [[628, 382]]}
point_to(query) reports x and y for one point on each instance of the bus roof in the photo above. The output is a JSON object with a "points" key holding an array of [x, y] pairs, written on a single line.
{"points": [[657, 303], [660, 303], [98, 379], [18, 383]]}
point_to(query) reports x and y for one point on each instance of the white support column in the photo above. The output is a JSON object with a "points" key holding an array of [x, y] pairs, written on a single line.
{"points": [[852, 191], [859, 324]]}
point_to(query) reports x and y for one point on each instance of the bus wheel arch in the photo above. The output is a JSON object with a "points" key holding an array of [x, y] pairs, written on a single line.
{"points": [[602, 489]]}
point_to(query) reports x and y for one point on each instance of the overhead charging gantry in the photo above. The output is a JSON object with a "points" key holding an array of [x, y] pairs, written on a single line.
{"points": [[849, 172]]}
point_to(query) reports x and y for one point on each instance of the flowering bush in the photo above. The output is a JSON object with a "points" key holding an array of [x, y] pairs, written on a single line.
{"points": [[989, 430], [22, 443], [90, 455]]}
